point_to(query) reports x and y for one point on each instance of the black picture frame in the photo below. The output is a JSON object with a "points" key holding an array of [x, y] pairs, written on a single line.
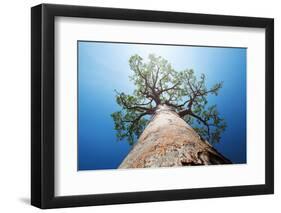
{"points": [[43, 101]]}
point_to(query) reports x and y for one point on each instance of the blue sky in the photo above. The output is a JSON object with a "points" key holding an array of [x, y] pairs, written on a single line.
{"points": [[103, 67]]}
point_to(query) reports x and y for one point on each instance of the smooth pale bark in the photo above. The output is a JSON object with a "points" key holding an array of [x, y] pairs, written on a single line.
{"points": [[168, 141]]}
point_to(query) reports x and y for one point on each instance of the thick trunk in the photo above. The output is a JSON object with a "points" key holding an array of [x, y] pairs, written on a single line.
{"points": [[168, 141]]}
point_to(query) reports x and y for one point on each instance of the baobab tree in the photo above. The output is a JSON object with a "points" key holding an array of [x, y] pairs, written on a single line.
{"points": [[167, 118]]}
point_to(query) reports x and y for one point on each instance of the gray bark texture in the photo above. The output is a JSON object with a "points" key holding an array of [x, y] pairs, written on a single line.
{"points": [[168, 141]]}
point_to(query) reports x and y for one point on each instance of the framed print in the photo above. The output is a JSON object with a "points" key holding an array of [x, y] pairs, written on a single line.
{"points": [[139, 106]]}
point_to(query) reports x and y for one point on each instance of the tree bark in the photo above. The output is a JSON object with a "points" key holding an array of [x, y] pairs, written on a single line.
{"points": [[168, 141]]}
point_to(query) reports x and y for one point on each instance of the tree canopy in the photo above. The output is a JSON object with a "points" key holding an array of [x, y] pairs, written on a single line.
{"points": [[157, 83]]}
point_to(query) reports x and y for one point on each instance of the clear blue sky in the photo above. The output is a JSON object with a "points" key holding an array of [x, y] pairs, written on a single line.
{"points": [[103, 67]]}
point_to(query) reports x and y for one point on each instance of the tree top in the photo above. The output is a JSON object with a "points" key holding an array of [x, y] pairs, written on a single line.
{"points": [[157, 83]]}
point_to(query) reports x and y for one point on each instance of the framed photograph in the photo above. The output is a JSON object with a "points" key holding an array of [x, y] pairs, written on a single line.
{"points": [[139, 106]]}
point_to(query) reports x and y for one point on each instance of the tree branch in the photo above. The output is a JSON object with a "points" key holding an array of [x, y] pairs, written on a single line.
{"points": [[139, 108], [184, 112], [136, 119], [170, 88], [156, 77], [203, 121], [154, 94], [184, 103]]}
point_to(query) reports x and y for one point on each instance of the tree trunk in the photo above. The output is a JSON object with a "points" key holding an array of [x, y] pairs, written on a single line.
{"points": [[168, 141]]}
